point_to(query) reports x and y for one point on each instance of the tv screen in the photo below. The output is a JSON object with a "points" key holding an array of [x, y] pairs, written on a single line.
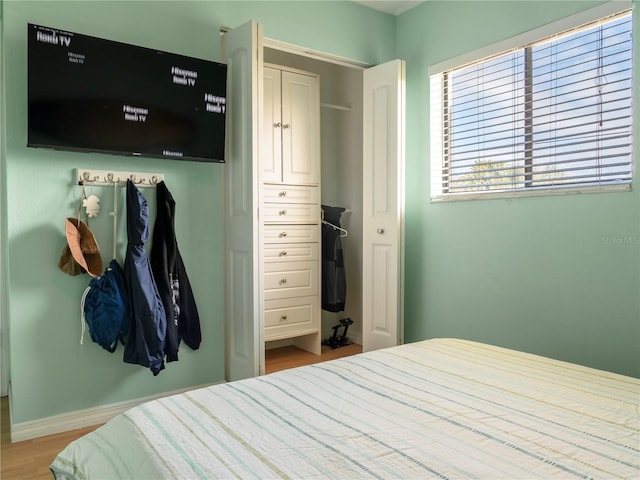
{"points": [[91, 94]]}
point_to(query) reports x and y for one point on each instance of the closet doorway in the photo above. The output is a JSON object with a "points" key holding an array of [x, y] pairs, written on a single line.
{"points": [[341, 172], [362, 131]]}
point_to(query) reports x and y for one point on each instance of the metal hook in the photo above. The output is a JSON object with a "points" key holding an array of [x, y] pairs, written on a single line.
{"points": [[86, 177]]}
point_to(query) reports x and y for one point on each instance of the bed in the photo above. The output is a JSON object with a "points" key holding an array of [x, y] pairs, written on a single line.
{"points": [[441, 408]]}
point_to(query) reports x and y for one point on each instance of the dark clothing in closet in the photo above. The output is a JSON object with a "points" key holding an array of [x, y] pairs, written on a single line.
{"points": [[334, 284], [183, 321], [147, 322]]}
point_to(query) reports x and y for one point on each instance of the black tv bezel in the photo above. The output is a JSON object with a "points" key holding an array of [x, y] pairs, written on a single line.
{"points": [[116, 151]]}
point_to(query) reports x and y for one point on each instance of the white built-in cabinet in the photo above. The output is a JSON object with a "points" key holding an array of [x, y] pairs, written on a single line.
{"points": [[290, 148], [290, 206]]}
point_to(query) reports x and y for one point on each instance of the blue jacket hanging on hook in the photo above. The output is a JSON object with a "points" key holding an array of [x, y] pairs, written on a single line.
{"points": [[147, 321], [183, 321]]}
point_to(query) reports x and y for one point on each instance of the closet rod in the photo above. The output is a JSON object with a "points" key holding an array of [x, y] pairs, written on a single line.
{"points": [[89, 176], [336, 107]]}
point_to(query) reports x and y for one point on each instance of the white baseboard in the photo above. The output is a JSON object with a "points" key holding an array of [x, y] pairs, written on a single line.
{"points": [[355, 338], [79, 419]]}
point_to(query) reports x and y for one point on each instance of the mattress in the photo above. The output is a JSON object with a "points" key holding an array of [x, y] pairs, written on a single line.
{"points": [[441, 408]]}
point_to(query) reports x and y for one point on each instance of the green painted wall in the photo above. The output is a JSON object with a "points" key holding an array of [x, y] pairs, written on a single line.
{"points": [[546, 275], [558, 276], [51, 373]]}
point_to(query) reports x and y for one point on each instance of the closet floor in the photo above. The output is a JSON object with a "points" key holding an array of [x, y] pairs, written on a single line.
{"points": [[281, 358]]}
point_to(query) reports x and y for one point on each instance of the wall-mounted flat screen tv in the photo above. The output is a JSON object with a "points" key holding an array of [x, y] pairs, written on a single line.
{"points": [[91, 94]]}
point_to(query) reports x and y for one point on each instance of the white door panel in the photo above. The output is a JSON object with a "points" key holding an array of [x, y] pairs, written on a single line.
{"points": [[300, 124], [271, 147], [383, 205], [242, 49]]}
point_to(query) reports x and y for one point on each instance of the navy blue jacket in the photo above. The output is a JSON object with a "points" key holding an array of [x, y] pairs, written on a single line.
{"points": [[147, 327], [183, 321]]}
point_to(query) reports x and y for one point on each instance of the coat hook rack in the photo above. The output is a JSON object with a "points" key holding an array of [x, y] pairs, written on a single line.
{"points": [[88, 176]]}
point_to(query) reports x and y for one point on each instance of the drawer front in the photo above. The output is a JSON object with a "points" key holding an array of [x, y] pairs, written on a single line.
{"points": [[291, 317], [291, 252], [290, 279], [290, 194], [283, 234], [290, 213]]}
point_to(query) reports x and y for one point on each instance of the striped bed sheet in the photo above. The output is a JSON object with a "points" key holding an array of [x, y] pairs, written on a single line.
{"points": [[441, 408]]}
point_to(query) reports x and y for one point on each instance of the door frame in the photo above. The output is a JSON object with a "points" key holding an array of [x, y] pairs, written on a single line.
{"points": [[4, 296], [324, 57]]}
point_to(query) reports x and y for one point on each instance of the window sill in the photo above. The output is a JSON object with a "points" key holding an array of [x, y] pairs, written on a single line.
{"points": [[534, 192]]}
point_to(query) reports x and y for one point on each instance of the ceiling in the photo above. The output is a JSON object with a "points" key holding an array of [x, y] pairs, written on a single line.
{"points": [[394, 7]]}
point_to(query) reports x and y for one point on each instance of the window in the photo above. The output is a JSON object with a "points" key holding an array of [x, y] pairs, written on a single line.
{"points": [[554, 114]]}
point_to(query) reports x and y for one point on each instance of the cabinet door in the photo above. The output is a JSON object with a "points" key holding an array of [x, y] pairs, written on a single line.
{"points": [[300, 128], [271, 146]]}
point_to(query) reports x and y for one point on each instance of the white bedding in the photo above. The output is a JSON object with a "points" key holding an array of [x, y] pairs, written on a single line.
{"points": [[441, 408]]}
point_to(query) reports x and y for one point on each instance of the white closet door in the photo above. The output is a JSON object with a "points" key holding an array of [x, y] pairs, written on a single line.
{"points": [[383, 205], [4, 338], [300, 129], [242, 49], [271, 148]]}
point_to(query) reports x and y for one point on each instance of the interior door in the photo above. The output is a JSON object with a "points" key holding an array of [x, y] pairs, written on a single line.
{"points": [[383, 205], [244, 332]]}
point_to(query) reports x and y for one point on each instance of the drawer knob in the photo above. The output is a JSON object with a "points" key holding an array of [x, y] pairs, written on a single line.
{"points": [[282, 212], [283, 253], [283, 193], [283, 234], [283, 317], [283, 281], [380, 231]]}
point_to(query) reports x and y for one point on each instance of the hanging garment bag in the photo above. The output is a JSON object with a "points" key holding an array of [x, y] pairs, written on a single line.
{"points": [[334, 284]]}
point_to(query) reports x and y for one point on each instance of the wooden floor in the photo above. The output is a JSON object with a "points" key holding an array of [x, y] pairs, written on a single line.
{"points": [[30, 459], [290, 357]]}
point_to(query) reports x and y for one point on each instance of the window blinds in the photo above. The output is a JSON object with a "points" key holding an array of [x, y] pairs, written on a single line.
{"points": [[552, 114]]}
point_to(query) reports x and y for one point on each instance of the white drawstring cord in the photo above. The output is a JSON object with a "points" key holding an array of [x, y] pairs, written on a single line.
{"points": [[82, 322]]}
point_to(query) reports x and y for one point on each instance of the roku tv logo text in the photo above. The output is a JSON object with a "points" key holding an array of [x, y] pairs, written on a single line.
{"points": [[53, 38]]}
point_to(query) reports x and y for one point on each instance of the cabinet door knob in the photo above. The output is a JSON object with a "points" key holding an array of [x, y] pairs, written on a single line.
{"points": [[282, 193], [380, 231], [277, 125], [282, 212], [283, 234], [283, 253], [286, 125]]}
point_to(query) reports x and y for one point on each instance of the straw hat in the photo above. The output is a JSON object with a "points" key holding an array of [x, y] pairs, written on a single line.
{"points": [[83, 246]]}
